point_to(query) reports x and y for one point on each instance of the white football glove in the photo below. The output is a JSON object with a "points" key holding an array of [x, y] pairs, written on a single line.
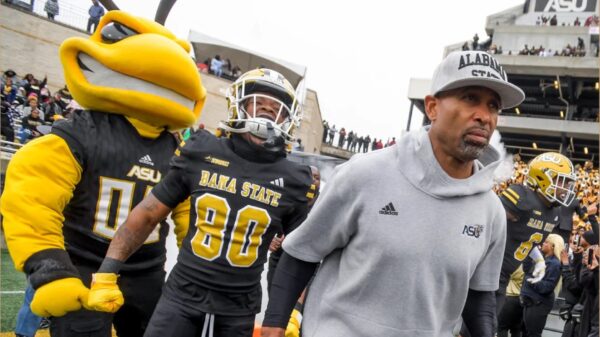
{"points": [[539, 270]]}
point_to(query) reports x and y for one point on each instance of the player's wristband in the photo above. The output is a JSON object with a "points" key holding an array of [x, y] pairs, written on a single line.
{"points": [[110, 265]]}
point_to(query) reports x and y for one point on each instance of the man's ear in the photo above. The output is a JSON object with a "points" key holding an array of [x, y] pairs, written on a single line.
{"points": [[431, 107]]}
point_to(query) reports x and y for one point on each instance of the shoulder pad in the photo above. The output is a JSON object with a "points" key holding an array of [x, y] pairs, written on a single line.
{"points": [[516, 196], [193, 147], [76, 131], [300, 179]]}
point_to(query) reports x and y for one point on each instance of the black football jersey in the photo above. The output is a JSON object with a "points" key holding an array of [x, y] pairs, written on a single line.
{"points": [[237, 206], [119, 168], [535, 221]]}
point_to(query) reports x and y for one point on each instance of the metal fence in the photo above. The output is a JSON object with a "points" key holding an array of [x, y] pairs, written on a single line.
{"points": [[69, 14]]}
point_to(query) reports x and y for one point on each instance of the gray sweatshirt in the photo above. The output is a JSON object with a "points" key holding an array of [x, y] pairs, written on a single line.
{"points": [[401, 242]]}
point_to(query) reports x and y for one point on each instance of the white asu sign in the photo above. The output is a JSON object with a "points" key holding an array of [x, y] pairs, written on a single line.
{"points": [[565, 6]]}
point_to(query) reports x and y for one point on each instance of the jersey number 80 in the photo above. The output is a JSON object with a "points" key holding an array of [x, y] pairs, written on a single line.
{"points": [[245, 237]]}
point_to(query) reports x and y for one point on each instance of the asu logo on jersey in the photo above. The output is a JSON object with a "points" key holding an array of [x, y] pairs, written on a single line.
{"points": [[145, 173]]}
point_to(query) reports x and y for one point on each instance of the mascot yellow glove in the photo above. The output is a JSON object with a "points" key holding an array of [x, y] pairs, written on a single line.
{"points": [[104, 293], [59, 297], [293, 327]]}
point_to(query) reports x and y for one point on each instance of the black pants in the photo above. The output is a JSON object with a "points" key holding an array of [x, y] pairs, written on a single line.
{"points": [[501, 292], [535, 315], [141, 293], [171, 319], [273, 261], [8, 132], [571, 329], [593, 331], [92, 22], [510, 317]]}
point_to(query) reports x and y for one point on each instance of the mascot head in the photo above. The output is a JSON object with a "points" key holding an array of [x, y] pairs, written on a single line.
{"points": [[137, 68]]}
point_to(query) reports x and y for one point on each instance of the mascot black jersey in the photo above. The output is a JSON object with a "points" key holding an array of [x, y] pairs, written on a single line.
{"points": [[535, 220], [120, 168], [239, 200]]}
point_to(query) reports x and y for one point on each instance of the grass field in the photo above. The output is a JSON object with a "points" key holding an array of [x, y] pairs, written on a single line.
{"points": [[13, 282]]}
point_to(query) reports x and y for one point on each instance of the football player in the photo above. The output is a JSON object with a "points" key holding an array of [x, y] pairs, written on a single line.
{"points": [[67, 192], [532, 212], [243, 190]]}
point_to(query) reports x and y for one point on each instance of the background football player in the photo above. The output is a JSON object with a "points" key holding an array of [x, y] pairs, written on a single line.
{"points": [[243, 190], [67, 192], [532, 212]]}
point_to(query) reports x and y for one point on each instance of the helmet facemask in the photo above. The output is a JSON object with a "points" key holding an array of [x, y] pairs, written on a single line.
{"points": [[259, 123], [561, 189], [258, 88]]}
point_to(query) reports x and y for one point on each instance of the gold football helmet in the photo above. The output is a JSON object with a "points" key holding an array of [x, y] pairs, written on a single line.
{"points": [[553, 175], [269, 84]]}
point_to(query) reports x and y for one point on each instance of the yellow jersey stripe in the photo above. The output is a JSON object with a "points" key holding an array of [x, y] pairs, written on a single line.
{"points": [[513, 193], [509, 197]]}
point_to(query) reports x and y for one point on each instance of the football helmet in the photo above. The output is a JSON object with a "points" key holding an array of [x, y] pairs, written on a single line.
{"points": [[260, 84], [553, 175]]}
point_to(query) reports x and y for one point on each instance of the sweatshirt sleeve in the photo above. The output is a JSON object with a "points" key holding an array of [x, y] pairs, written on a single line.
{"points": [[487, 274], [330, 224]]}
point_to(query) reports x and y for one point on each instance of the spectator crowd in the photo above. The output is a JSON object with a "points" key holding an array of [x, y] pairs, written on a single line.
{"points": [[575, 50], [28, 104], [351, 141], [553, 21], [220, 67]]}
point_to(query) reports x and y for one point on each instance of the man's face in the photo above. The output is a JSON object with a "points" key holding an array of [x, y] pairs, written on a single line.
{"points": [[316, 177], [316, 180], [262, 106], [463, 120], [35, 113], [33, 103]]}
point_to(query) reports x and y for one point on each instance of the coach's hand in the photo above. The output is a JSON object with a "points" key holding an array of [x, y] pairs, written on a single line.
{"points": [[269, 331], [59, 297], [539, 270], [104, 293]]}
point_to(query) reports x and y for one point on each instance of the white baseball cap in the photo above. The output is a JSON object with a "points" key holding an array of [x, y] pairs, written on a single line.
{"points": [[475, 68]]}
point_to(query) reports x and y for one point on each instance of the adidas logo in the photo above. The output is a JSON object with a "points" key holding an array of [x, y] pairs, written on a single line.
{"points": [[277, 182], [146, 160], [388, 210]]}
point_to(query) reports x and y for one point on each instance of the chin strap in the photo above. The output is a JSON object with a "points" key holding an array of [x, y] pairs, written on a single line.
{"points": [[273, 142]]}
